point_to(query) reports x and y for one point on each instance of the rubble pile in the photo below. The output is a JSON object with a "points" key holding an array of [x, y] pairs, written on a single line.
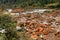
{"points": [[45, 26]]}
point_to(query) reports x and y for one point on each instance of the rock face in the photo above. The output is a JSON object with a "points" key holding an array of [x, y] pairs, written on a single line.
{"points": [[44, 26], [49, 36]]}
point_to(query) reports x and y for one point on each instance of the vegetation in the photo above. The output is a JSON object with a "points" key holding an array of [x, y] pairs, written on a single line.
{"points": [[7, 23], [27, 3]]}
